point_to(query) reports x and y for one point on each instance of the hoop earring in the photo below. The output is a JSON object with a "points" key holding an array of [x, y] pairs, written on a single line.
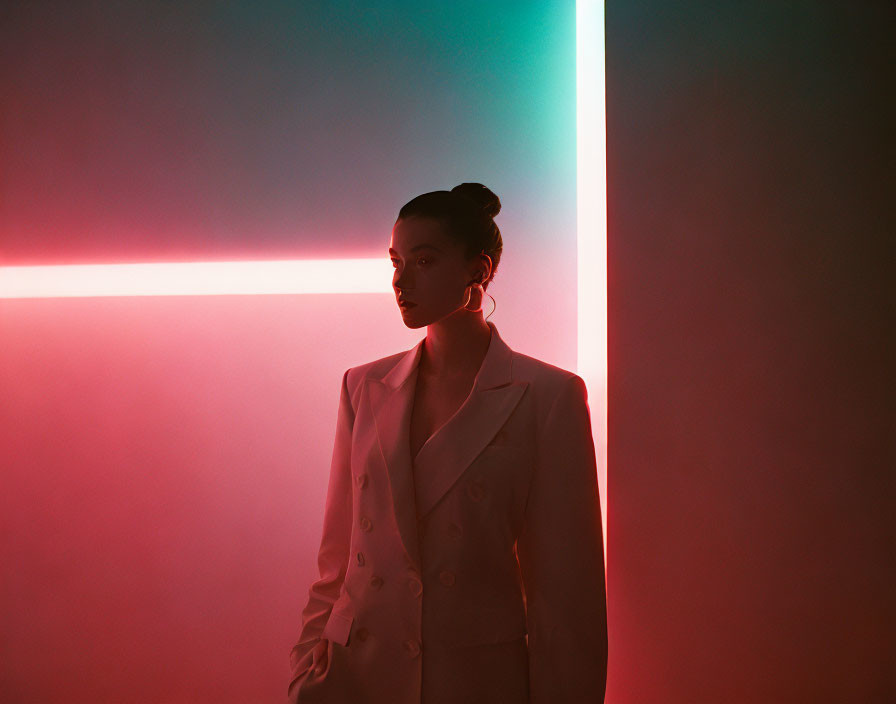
{"points": [[482, 294], [470, 297], [494, 305]]}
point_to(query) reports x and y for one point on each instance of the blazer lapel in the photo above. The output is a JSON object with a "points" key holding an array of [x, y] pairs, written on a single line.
{"points": [[391, 401], [454, 446]]}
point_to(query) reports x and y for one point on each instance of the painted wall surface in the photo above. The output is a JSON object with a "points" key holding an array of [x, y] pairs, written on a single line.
{"points": [[751, 308], [165, 460]]}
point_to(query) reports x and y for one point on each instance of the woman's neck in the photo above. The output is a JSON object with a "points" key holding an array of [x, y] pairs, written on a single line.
{"points": [[455, 346]]}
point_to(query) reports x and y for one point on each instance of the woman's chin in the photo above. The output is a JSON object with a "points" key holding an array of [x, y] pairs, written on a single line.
{"points": [[410, 318]]}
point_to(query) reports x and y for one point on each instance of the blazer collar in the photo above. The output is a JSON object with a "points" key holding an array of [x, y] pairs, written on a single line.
{"points": [[495, 370], [453, 447]]}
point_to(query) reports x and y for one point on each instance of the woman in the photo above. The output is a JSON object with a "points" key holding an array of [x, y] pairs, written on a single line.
{"points": [[462, 556]]}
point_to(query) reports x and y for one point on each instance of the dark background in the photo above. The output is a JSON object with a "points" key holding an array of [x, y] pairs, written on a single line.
{"points": [[751, 397]]}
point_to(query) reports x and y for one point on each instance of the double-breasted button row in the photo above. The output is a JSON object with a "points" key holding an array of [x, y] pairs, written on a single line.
{"points": [[413, 578], [366, 524], [415, 584]]}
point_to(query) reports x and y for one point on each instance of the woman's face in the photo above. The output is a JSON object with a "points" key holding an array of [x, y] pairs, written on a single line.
{"points": [[430, 271]]}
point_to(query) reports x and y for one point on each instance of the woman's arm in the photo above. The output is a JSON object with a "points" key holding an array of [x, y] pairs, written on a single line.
{"points": [[560, 551], [332, 558]]}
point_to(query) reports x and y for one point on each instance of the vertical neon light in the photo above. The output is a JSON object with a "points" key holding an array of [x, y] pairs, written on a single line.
{"points": [[591, 221]]}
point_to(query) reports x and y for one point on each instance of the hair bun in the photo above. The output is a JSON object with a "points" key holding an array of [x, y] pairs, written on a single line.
{"points": [[487, 201]]}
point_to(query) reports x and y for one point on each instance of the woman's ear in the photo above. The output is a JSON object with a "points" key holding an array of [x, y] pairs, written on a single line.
{"points": [[488, 271]]}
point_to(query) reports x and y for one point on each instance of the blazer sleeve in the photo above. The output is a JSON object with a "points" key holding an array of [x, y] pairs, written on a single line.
{"points": [[332, 557], [561, 557]]}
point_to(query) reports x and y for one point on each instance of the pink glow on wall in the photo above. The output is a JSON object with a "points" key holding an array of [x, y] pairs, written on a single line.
{"points": [[164, 464]]}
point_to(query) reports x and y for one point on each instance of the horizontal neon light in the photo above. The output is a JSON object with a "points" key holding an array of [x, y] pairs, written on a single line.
{"points": [[198, 278]]}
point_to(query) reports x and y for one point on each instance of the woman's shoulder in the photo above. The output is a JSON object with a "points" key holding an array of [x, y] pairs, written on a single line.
{"points": [[539, 372], [549, 383]]}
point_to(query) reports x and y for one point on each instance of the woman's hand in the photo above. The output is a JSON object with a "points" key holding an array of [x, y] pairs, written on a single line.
{"points": [[318, 654], [294, 657], [319, 657]]}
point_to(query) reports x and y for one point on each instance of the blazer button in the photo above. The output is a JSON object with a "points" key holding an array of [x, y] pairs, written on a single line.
{"points": [[366, 525], [361, 634], [454, 530], [412, 647], [360, 558], [475, 490], [362, 480], [416, 586], [376, 582], [446, 577], [319, 670]]}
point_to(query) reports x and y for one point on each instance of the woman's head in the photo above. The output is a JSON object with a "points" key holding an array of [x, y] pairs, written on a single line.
{"points": [[444, 242]]}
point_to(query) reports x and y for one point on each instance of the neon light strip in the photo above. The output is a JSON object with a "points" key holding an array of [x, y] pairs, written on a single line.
{"points": [[198, 278], [591, 180], [591, 174]]}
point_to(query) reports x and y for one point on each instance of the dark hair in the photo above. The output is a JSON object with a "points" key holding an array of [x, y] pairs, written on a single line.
{"points": [[467, 212]]}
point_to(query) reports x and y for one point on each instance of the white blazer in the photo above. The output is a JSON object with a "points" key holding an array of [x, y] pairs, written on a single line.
{"points": [[473, 573]]}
